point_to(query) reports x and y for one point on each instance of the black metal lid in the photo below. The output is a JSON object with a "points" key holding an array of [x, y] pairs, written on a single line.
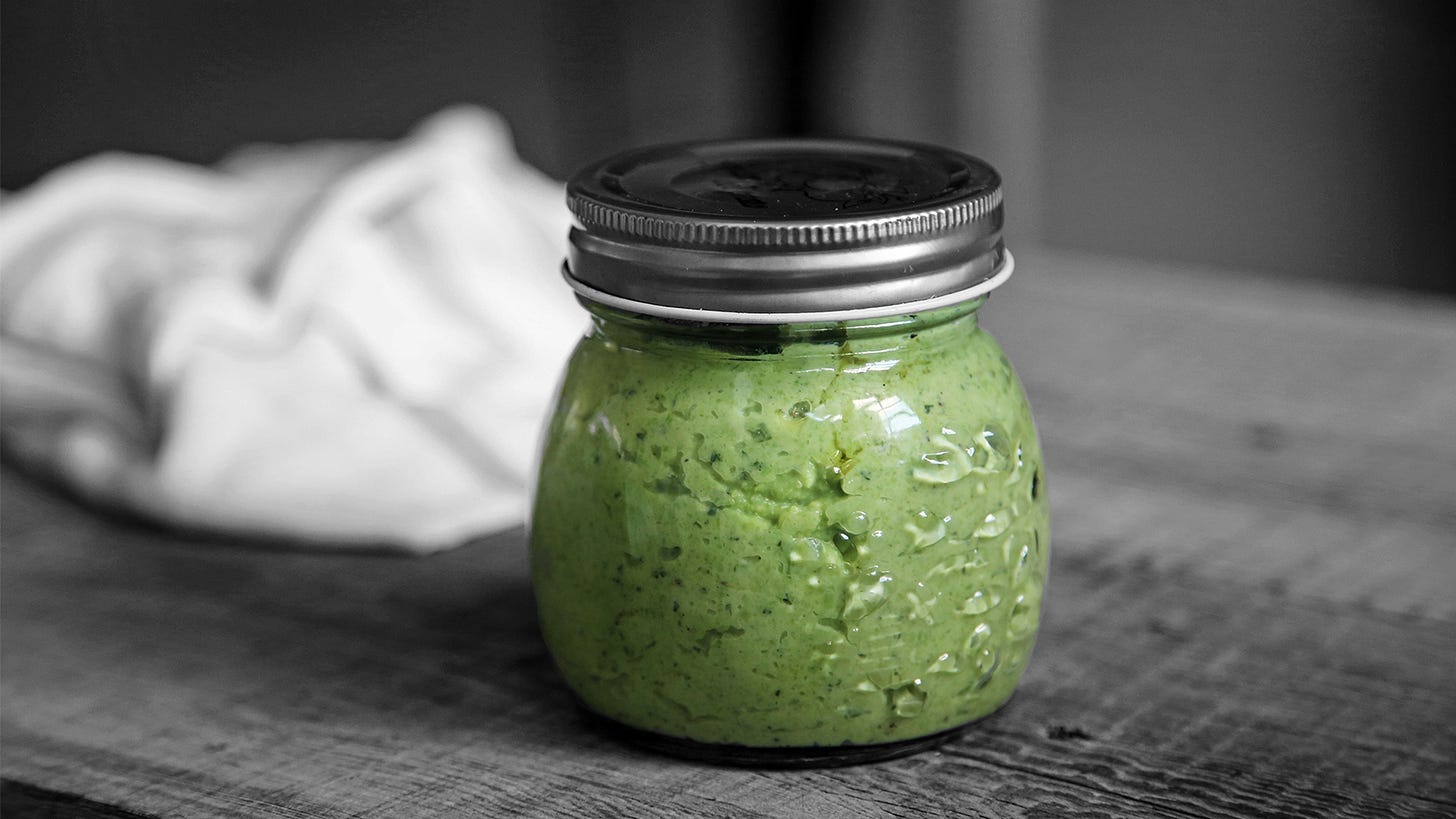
{"points": [[770, 231]]}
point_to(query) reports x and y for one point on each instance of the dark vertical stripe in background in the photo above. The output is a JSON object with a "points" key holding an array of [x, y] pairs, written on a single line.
{"points": [[798, 49]]}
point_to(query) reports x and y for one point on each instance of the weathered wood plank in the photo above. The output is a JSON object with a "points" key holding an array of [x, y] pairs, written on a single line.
{"points": [[179, 679], [1235, 426], [1375, 360], [31, 802]]}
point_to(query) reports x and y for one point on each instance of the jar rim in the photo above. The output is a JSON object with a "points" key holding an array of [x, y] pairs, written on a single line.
{"points": [[711, 316], [775, 230]]}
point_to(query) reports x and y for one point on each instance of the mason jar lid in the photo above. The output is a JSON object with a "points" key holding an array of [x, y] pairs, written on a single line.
{"points": [[785, 230]]}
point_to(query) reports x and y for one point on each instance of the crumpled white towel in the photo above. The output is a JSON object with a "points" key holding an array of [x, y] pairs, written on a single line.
{"points": [[335, 344]]}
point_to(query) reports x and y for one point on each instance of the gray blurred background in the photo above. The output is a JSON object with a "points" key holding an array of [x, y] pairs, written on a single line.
{"points": [[1308, 139]]}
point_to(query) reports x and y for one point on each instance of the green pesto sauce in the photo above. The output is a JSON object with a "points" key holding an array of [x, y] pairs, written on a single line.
{"points": [[805, 543]]}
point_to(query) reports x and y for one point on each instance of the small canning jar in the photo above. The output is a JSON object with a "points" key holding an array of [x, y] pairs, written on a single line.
{"points": [[791, 507]]}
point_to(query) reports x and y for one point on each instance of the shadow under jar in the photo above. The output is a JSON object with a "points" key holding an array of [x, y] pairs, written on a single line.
{"points": [[791, 508]]}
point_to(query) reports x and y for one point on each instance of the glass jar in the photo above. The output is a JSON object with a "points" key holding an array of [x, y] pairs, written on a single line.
{"points": [[791, 507]]}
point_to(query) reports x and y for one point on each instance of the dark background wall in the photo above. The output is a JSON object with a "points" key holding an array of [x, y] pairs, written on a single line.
{"points": [[1306, 138], [193, 78]]}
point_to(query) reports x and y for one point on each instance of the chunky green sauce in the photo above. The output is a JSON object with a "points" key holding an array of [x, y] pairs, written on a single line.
{"points": [[816, 539]]}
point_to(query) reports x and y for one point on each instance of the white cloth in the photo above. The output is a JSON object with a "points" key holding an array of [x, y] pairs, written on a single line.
{"points": [[332, 344]]}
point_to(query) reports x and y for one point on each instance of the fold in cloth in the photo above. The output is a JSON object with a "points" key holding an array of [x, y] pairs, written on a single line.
{"points": [[332, 344]]}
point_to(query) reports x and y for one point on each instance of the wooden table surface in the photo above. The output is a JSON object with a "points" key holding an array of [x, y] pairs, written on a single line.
{"points": [[1250, 612]]}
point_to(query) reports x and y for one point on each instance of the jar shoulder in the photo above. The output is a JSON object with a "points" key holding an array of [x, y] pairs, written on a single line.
{"points": [[879, 387]]}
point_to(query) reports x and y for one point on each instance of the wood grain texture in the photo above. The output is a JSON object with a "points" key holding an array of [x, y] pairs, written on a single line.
{"points": [[1245, 428], [1250, 611]]}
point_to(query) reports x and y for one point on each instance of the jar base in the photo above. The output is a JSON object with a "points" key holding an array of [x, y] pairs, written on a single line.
{"points": [[747, 756]]}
